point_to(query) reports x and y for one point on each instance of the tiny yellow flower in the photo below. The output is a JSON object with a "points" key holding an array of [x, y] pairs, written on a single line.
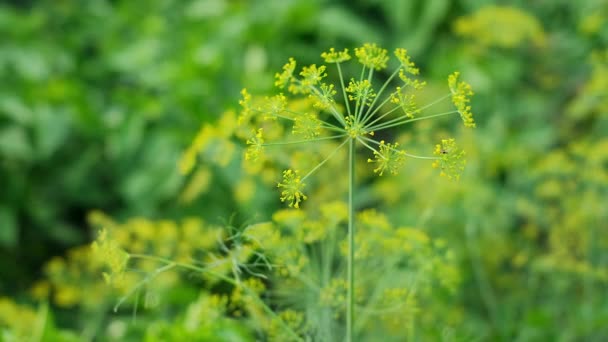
{"points": [[360, 90], [389, 158], [334, 56], [274, 106], [404, 59], [292, 188], [109, 252], [256, 146], [285, 77], [408, 81], [451, 159], [307, 125], [372, 56], [324, 99], [461, 92], [406, 101], [312, 75]]}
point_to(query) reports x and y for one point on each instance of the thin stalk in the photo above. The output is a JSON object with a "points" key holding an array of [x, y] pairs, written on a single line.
{"points": [[303, 141], [359, 114], [350, 305], [333, 110], [343, 89], [324, 160], [229, 280], [384, 115], [393, 149], [323, 123], [435, 102], [399, 118], [367, 114], [40, 323], [401, 121], [358, 103], [371, 148]]}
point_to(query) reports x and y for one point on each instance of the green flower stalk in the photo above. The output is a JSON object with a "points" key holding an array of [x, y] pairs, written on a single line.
{"points": [[354, 117]]}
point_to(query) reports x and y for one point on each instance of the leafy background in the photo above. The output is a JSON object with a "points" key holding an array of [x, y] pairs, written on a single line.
{"points": [[98, 99]]}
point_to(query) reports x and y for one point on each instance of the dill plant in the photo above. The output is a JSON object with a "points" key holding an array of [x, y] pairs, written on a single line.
{"points": [[353, 112], [295, 252]]}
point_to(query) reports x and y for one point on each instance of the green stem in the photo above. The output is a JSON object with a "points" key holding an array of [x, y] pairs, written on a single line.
{"points": [[402, 121], [384, 115], [229, 280], [359, 114], [324, 160], [350, 305], [303, 141], [343, 89], [400, 118], [323, 123], [369, 112], [393, 149], [333, 109]]}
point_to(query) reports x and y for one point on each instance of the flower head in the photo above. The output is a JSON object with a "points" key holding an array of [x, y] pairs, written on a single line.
{"points": [[461, 92], [372, 56], [406, 101], [360, 90], [274, 106], [311, 75], [292, 188], [324, 98], [285, 77], [245, 102], [256, 146], [411, 82], [451, 159], [112, 255], [389, 158], [362, 109], [333, 56], [406, 63], [307, 125]]}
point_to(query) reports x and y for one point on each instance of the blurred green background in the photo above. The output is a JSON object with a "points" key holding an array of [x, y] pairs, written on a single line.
{"points": [[98, 99]]}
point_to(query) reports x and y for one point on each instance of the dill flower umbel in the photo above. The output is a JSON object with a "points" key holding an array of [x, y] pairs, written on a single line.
{"points": [[112, 255], [355, 116], [292, 186], [451, 159]]}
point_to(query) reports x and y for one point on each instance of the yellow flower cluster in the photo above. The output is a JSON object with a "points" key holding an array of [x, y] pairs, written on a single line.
{"points": [[461, 93], [333, 56], [404, 59], [285, 77], [325, 98], [593, 95], [501, 26], [255, 146], [17, 322], [360, 91], [362, 113], [307, 125], [213, 142], [273, 106], [451, 159], [407, 101], [109, 252], [573, 227], [312, 75], [372, 56], [292, 186], [388, 158]]}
